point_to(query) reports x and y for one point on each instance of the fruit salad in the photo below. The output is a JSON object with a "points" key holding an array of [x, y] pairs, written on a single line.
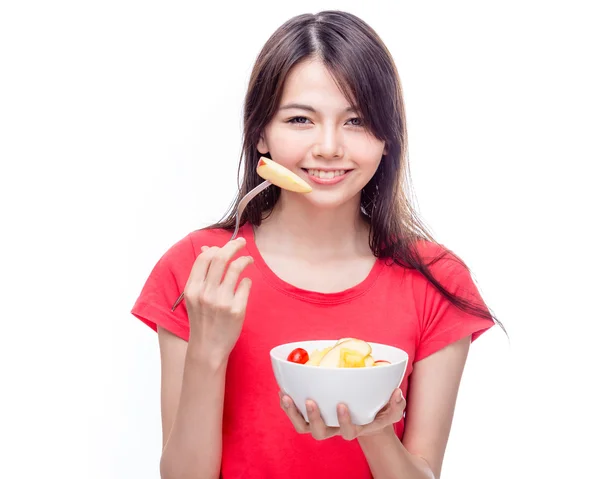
{"points": [[345, 353]]}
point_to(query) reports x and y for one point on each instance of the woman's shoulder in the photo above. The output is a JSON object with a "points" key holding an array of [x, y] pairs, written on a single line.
{"points": [[435, 256], [177, 259], [442, 263], [209, 236], [191, 243], [431, 251]]}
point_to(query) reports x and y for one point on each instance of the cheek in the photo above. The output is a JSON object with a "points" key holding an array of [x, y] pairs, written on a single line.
{"points": [[287, 148], [367, 152]]}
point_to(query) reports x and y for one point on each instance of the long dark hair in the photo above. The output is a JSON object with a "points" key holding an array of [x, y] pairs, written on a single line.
{"points": [[367, 75]]}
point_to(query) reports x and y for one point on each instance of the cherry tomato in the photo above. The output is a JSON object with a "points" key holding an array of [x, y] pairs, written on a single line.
{"points": [[298, 355]]}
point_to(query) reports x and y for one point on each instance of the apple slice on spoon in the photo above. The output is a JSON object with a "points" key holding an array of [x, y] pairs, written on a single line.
{"points": [[280, 176]]}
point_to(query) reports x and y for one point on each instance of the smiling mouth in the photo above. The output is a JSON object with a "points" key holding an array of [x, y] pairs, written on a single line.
{"points": [[325, 175]]}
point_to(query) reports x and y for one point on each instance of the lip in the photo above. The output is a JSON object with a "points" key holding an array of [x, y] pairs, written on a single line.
{"points": [[326, 181], [323, 168]]}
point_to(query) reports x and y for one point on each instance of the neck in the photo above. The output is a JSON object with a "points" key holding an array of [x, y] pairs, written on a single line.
{"points": [[297, 227]]}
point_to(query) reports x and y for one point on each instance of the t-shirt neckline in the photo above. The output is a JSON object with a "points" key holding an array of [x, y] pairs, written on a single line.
{"points": [[247, 231]]}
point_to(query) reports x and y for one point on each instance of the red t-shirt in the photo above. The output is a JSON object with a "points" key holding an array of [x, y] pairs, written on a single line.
{"points": [[392, 305]]}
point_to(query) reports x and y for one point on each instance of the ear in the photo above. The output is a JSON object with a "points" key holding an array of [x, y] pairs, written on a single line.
{"points": [[385, 150], [262, 146]]}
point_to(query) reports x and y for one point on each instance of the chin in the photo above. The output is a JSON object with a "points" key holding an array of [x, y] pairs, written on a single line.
{"points": [[330, 200]]}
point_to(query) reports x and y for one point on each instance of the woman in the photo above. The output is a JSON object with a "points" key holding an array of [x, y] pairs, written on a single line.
{"points": [[349, 259]]}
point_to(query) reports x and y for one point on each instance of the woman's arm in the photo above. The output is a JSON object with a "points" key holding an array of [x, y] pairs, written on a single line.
{"points": [[192, 393], [388, 458], [193, 373], [433, 391]]}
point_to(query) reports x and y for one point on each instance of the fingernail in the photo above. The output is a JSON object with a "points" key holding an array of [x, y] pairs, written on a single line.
{"points": [[310, 408], [399, 398], [286, 403]]}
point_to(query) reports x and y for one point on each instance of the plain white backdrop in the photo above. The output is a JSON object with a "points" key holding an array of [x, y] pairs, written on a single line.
{"points": [[120, 128]]}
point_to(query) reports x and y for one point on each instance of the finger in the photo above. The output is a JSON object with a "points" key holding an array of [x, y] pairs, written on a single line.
{"points": [[220, 260], [234, 270], [398, 405], [347, 429], [317, 426], [240, 298], [293, 414], [395, 409], [201, 265], [390, 414]]}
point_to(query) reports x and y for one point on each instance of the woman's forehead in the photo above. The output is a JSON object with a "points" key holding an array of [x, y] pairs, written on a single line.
{"points": [[311, 84]]}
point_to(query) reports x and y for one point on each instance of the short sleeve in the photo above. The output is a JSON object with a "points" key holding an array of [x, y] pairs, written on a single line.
{"points": [[443, 323], [162, 288]]}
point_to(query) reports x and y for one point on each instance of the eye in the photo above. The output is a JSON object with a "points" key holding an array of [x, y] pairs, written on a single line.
{"points": [[355, 121], [299, 120]]}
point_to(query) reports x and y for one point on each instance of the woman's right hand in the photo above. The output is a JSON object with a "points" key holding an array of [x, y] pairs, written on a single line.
{"points": [[216, 309]]}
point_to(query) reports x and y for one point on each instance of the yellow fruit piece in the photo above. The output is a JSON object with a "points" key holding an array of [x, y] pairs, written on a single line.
{"points": [[351, 359], [281, 176], [315, 357]]}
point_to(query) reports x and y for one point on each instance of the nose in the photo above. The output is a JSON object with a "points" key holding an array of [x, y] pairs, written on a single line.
{"points": [[329, 144]]}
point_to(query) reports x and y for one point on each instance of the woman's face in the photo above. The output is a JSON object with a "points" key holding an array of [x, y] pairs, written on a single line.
{"points": [[316, 134]]}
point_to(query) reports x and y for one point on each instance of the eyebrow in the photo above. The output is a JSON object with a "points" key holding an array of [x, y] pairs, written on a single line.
{"points": [[300, 106]]}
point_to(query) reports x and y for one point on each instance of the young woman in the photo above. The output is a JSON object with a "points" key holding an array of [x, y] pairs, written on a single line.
{"points": [[349, 259]]}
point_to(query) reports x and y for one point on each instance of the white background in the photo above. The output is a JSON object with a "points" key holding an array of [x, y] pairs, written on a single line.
{"points": [[120, 131]]}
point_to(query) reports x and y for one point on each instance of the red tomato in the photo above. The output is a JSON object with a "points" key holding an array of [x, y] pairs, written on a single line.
{"points": [[298, 355]]}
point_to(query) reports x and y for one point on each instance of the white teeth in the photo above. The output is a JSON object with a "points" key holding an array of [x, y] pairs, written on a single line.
{"points": [[326, 174]]}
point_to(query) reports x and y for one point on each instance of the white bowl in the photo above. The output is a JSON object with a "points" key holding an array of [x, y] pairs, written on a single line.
{"points": [[364, 390]]}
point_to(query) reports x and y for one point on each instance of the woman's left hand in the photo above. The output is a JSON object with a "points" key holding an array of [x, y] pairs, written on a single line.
{"points": [[390, 414]]}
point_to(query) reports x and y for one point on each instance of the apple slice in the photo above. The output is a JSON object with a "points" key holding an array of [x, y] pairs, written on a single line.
{"points": [[281, 176], [333, 358], [369, 361], [381, 362]]}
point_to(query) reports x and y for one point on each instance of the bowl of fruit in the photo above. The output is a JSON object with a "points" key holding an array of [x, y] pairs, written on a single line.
{"points": [[360, 374]]}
